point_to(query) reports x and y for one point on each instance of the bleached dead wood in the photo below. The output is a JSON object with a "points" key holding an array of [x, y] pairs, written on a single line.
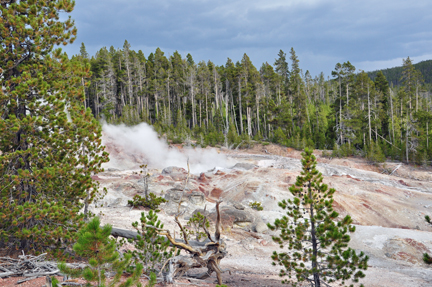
{"points": [[396, 168], [207, 254], [28, 266]]}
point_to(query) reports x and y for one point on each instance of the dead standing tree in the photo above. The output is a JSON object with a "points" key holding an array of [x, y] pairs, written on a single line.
{"points": [[208, 253]]}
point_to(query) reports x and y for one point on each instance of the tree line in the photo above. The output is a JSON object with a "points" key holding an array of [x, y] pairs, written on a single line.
{"points": [[394, 75], [236, 102]]}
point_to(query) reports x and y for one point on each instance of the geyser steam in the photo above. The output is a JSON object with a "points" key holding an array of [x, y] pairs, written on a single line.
{"points": [[142, 141]]}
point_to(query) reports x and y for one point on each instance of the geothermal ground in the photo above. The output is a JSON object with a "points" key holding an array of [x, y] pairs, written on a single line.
{"points": [[388, 210]]}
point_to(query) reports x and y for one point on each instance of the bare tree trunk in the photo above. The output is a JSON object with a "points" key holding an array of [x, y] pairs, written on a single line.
{"points": [[240, 108], [340, 112], [200, 114], [406, 139], [169, 102], [391, 107], [249, 120], [156, 104], [207, 109], [257, 113], [369, 120]]}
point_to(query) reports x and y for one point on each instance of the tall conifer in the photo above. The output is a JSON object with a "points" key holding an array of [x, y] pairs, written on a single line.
{"points": [[50, 144], [316, 241]]}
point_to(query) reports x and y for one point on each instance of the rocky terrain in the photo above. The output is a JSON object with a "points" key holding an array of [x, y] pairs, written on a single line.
{"points": [[388, 210]]}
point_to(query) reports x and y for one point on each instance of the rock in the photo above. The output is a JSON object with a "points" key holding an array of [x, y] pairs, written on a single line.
{"points": [[230, 216], [260, 227], [203, 178], [175, 195], [238, 206], [244, 165], [115, 202], [216, 193], [176, 173], [405, 249], [172, 208], [196, 197], [173, 169]]}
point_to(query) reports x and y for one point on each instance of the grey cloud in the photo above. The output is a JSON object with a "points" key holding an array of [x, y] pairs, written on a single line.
{"points": [[358, 31]]}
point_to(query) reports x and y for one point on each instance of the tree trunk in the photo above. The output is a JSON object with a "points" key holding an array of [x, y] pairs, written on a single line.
{"points": [[340, 112], [369, 121], [249, 120], [391, 110], [314, 241], [240, 108]]}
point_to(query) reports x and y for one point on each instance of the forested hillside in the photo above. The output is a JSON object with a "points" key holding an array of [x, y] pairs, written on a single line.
{"points": [[394, 75], [236, 103]]}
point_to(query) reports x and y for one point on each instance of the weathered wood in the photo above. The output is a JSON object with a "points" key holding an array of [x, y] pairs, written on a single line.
{"points": [[26, 279], [117, 232], [6, 274], [41, 273], [27, 266], [202, 254]]}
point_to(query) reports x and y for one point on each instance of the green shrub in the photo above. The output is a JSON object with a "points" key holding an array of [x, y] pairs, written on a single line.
{"points": [[256, 205], [153, 201], [95, 246], [196, 222], [375, 154], [152, 250]]}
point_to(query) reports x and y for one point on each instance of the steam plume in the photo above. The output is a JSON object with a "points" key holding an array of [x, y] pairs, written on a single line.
{"points": [[131, 146]]}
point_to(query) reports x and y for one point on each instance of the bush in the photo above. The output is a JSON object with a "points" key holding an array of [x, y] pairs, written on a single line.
{"points": [[256, 205], [151, 249], [375, 154], [95, 245], [197, 222], [152, 202]]}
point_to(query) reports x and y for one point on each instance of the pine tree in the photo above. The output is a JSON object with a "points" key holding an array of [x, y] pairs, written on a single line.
{"points": [[95, 245], [50, 144], [317, 242]]}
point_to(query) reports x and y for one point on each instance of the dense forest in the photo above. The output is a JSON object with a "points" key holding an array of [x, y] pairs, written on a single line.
{"points": [[394, 75], [236, 103]]}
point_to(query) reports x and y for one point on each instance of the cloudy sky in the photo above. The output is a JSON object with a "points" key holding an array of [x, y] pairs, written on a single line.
{"points": [[370, 34]]}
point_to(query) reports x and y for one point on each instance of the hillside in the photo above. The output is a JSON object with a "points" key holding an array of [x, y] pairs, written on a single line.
{"points": [[393, 75], [388, 210]]}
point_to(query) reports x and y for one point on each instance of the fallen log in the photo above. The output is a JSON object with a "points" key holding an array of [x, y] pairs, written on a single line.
{"points": [[6, 274], [117, 232]]}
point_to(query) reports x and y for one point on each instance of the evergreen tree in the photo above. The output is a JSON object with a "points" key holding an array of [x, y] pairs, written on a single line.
{"points": [[95, 245], [50, 144], [317, 242]]}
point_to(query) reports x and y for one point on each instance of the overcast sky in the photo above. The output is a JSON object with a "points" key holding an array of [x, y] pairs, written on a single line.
{"points": [[370, 34]]}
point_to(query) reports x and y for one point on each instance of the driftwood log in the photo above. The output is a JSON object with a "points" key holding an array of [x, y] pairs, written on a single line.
{"points": [[202, 254], [207, 254], [27, 266]]}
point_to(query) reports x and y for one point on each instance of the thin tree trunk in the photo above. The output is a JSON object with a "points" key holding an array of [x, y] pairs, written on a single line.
{"points": [[249, 120], [314, 241], [257, 112], [240, 109], [391, 107], [340, 112], [369, 120], [207, 110]]}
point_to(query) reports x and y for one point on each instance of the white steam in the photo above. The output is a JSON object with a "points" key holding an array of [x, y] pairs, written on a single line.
{"points": [[131, 146]]}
